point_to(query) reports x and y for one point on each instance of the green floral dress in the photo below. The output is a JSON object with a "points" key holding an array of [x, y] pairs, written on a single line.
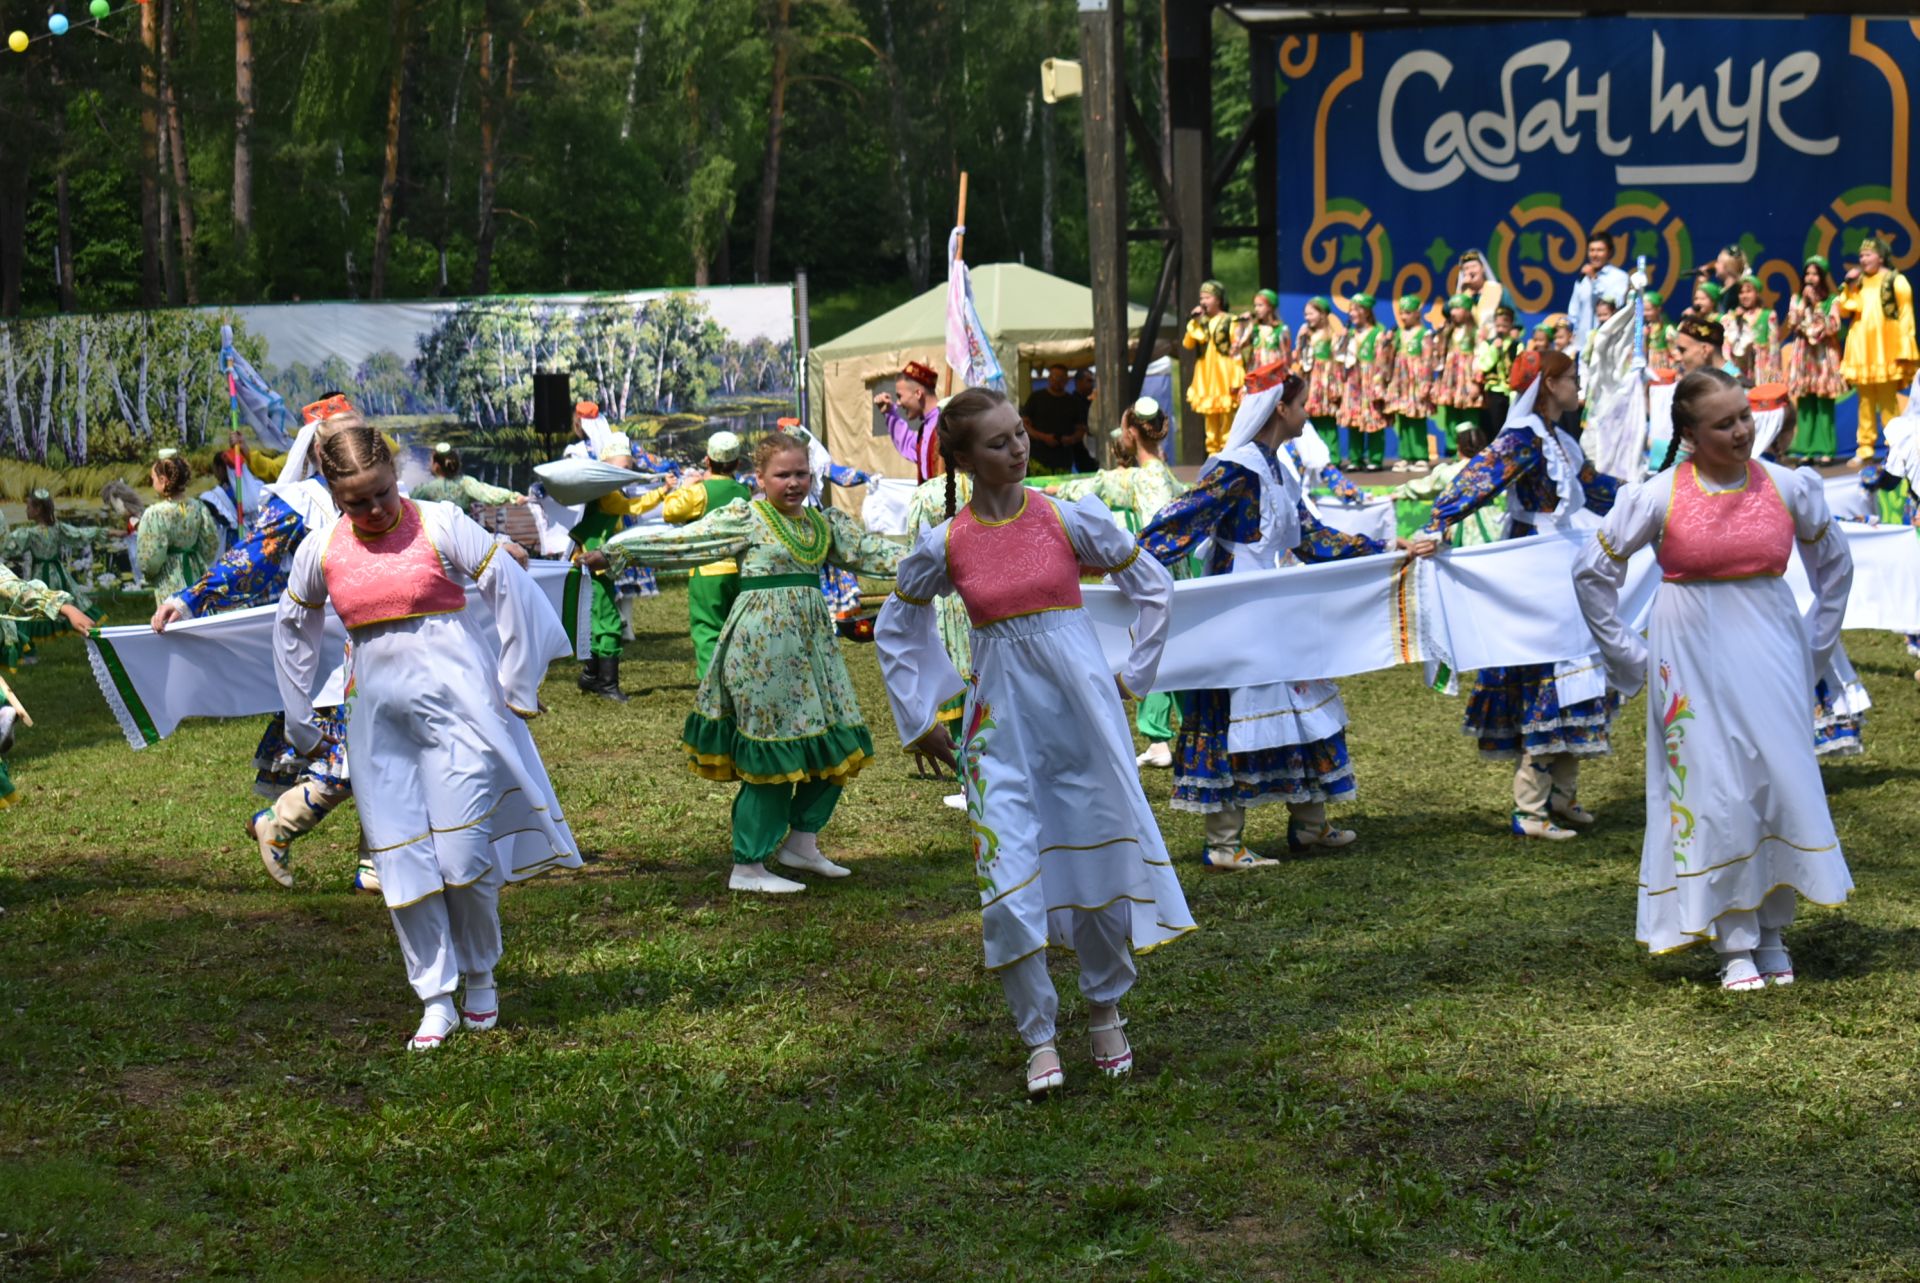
{"points": [[926, 509], [463, 490], [1134, 495], [24, 599], [776, 705], [42, 552], [178, 540]]}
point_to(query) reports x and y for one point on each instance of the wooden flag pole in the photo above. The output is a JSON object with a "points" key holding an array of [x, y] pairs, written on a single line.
{"points": [[959, 250]]}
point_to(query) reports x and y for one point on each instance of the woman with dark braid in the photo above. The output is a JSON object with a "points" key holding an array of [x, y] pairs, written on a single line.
{"points": [[1737, 821]]}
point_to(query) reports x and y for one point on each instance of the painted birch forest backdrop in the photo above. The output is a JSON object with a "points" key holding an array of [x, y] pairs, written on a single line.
{"points": [[76, 390]]}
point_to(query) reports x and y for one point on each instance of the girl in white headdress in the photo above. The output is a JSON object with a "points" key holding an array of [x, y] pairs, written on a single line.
{"points": [[1285, 742], [1544, 716]]}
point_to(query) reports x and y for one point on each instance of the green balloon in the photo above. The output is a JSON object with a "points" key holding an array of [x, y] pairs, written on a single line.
{"points": [[100, 8]]}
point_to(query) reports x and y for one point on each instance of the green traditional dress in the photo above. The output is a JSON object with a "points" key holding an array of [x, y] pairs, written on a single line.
{"points": [[926, 509], [178, 541], [24, 599], [463, 490], [40, 553], [776, 708]]}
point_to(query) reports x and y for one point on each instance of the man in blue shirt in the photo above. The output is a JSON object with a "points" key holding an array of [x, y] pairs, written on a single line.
{"points": [[1599, 278]]}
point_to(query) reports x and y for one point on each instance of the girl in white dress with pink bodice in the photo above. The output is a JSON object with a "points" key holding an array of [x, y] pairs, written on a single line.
{"points": [[1737, 819], [453, 798], [1066, 849]]}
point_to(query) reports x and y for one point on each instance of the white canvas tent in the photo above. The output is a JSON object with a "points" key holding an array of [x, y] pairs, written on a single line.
{"points": [[1033, 320]]}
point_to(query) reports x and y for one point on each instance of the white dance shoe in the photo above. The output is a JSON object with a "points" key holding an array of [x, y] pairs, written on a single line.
{"points": [[436, 1022], [1158, 756], [480, 1007], [802, 851], [954, 801], [758, 878], [272, 854], [1043, 1072], [1738, 974]]}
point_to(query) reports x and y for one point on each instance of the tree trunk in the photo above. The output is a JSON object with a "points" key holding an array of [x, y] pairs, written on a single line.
{"points": [[1047, 165], [13, 232], [446, 175], [390, 170], [242, 127], [633, 79], [782, 24], [69, 296], [177, 146], [913, 236], [495, 94], [152, 244], [346, 217]]}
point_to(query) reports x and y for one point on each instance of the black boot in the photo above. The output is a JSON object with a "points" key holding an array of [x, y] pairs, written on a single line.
{"points": [[589, 679], [609, 687]]}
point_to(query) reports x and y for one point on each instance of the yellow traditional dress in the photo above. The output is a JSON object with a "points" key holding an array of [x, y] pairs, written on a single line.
{"points": [[1217, 375], [1880, 355]]}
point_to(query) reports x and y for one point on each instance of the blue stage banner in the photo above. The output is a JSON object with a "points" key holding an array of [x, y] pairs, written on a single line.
{"points": [[1401, 148]]}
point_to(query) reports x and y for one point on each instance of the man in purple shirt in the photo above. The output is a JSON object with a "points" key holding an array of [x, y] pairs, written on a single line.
{"points": [[911, 399]]}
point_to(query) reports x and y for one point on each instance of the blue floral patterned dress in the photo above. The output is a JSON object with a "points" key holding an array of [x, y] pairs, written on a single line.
{"points": [[1516, 710], [254, 573], [1224, 507]]}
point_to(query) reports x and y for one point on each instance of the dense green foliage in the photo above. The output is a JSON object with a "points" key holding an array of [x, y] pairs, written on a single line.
{"points": [[1438, 1055], [627, 140]]}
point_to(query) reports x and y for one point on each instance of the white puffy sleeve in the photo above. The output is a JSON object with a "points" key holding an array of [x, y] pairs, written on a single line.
{"points": [[1600, 570], [1102, 545], [529, 632], [299, 625], [919, 676], [1824, 552]]}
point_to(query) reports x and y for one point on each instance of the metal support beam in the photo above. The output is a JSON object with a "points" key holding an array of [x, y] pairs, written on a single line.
{"points": [[1150, 332], [1189, 49], [1103, 118]]}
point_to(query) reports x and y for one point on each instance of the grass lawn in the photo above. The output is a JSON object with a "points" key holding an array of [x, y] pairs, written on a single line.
{"points": [[1437, 1055]]}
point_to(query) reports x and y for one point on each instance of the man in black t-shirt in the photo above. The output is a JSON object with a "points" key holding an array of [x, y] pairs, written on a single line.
{"points": [[1056, 421]]}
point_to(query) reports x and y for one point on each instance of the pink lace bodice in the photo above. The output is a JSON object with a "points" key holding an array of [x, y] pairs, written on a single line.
{"points": [[1725, 534], [380, 578], [1019, 567]]}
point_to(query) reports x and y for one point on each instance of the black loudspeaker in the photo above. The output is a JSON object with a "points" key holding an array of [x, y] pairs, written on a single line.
{"points": [[552, 407]]}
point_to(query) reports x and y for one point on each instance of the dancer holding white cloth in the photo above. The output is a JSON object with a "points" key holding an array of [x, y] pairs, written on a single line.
{"points": [[1548, 716], [1737, 819], [1066, 848], [1282, 741]]}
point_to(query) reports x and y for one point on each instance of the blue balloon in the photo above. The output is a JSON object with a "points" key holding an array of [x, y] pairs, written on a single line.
{"points": [[57, 24]]}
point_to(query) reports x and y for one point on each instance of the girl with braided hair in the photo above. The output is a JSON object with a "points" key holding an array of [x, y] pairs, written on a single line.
{"points": [[178, 540], [1737, 821], [1066, 848]]}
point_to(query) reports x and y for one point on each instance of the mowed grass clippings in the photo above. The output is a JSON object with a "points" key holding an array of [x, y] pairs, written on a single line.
{"points": [[1436, 1055]]}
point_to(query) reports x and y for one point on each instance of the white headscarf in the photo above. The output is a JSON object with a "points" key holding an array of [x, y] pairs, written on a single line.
{"points": [[1255, 412], [1561, 453], [299, 465]]}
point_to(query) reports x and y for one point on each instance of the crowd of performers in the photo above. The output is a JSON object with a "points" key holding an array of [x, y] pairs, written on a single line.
{"points": [[1441, 377], [992, 666]]}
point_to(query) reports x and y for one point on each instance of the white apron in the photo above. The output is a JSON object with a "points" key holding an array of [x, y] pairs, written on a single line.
{"points": [[1281, 714]]}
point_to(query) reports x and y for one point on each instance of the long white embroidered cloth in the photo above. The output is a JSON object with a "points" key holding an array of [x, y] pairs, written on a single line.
{"points": [[222, 666]]}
